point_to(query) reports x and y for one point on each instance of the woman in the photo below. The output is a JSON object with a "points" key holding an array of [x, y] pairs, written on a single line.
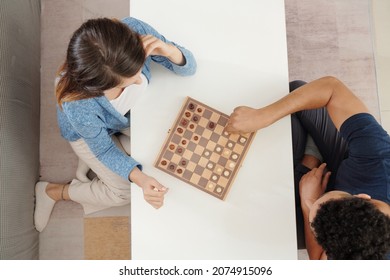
{"points": [[107, 66]]}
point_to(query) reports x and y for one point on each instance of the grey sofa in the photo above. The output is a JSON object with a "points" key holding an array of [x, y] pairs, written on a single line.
{"points": [[19, 126]]}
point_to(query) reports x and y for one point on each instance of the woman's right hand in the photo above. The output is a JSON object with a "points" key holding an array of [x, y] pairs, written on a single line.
{"points": [[153, 191]]}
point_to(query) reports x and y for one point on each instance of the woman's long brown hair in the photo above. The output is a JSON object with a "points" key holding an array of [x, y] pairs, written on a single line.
{"points": [[100, 54]]}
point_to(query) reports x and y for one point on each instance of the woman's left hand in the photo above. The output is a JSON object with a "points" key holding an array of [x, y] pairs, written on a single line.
{"points": [[154, 46]]}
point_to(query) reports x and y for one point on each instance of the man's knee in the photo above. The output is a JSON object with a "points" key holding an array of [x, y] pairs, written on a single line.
{"points": [[296, 84]]}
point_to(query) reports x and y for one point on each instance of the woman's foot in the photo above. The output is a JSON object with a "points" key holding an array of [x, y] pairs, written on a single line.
{"points": [[46, 195]]}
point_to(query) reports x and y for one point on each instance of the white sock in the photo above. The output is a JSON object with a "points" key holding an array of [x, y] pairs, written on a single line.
{"points": [[312, 149]]}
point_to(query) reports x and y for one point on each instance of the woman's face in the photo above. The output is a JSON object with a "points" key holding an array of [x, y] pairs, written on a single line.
{"points": [[115, 92]]}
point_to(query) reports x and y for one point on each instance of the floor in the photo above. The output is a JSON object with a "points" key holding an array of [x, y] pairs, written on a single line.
{"points": [[381, 25], [347, 39]]}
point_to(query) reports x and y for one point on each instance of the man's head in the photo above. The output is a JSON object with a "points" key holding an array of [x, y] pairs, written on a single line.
{"points": [[351, 226]]}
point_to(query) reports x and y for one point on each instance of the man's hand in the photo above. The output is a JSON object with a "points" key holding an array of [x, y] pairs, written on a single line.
{"points": [[313, 185], [245, 120]]}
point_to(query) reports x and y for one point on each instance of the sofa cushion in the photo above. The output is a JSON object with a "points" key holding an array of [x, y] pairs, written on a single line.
{"points": [[19, 126]]}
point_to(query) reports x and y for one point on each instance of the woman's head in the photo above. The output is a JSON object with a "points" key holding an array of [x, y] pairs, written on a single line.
{"points": [[101, 53]]}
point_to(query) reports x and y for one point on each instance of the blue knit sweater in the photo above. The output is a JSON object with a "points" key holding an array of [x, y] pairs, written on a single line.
{"points": [[95, 119]]}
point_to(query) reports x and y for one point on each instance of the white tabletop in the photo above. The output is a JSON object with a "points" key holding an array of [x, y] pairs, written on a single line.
{"points": [[240, 47]]}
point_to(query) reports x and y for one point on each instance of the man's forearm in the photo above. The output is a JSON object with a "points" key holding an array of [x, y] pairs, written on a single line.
{"points": [[313, 95]]}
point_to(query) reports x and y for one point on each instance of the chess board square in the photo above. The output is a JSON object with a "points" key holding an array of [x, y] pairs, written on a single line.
{"points": [[192, 106], [207, 114], [199, 150], [203, 141], [188, 134], [195, 118], [219, 169], [206, 173], [206, 134], [172, 167], [184, 122], [179, 150], [214, 117], [191, 146], [195, 158], [211, 145], [226, 173], [233, 137], [222, 121], [218, 149], [176, 139], [214, 177], [198, 170], [242, 140], [203, 161], [206, 153], [238, 149], [184, 143], [203, 122], [199, 130], [203, 182], [219, 129], [214, 137], [223, 181], [176, 158], [218, 189], [222, 141], [222, 161], [191, 166], [168, 155], [187, 154], [187, 174]]}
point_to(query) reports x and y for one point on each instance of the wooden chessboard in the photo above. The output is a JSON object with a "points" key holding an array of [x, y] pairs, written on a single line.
{"points": [[199, 152]]}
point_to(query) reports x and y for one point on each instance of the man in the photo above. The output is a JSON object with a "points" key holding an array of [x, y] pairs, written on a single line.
{"points": [[345, 200]]}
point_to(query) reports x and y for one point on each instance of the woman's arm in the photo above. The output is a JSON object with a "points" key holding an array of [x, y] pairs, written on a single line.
{"points": [[153, 191], [93, 131], [154, 46], [173, 56]]}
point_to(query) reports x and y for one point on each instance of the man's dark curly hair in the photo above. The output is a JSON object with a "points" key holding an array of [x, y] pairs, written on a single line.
{"points": [[352, 229]]}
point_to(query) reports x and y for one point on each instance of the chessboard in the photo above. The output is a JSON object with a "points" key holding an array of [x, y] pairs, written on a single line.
{"points": [[199, 152]]}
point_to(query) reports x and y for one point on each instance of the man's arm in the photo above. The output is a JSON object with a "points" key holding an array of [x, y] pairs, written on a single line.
{"points": [[327, 92], [311, 187]]}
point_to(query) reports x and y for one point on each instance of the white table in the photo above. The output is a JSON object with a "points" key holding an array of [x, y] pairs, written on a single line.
{"points": [[241, 52]]}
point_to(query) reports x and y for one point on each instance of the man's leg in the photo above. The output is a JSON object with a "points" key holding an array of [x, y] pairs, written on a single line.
{"points": [[332, 148], [299, 136], [319, 125]]}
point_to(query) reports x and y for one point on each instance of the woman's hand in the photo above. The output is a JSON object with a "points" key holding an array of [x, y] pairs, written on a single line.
{"points": [[153, 191], [154, 46], [313, 185]]}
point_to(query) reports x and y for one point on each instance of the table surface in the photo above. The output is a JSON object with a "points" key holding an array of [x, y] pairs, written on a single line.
{"points": [[241, 51]]}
